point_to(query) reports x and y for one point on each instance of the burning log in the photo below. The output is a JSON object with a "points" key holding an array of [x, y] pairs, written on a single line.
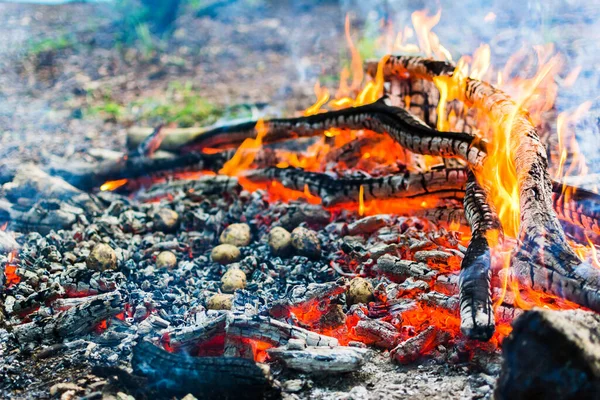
{"points": [[409, 131], [326, 360], [544, 260], [577, 206], [91, 176], [203, 377], [72, 323], [476, 314], [331, 190]]}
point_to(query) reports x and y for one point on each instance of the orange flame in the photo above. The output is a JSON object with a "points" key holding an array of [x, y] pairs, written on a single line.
{"points": [[244, 156], [113, 185]]}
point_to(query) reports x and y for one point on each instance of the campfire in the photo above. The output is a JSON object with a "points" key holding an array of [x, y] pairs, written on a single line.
{"points": [[411, 213]]}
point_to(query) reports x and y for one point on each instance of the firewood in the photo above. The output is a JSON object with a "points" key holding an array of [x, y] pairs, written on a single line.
{"points": [[272, 331], [72, 323], [204, 377], [476, 314], [43, 216], [321, 360], [544, 260], [331, 190], [398, 269]]}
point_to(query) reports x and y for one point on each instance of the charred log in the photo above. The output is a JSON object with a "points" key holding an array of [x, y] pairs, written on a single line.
{"points": [[180, 374], [544, 260], [72, 323], [409, 131], [476, 313], [327, 360], [332, 190]]}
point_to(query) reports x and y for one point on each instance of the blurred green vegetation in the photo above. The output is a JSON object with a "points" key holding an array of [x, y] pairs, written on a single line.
{"points": [[180, 104], [50, 44]]}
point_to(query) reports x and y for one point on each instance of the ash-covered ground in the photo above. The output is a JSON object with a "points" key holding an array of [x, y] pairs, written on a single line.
{"points": [[71, 85]]}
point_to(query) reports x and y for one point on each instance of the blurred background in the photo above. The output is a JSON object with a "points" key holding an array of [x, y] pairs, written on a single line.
{"points": [[75, 76]]}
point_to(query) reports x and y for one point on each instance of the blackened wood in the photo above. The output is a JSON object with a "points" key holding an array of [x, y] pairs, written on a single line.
{"points": [[406, 129], [204, 377], [72, 323], [476, 313], [92, 176], [551, 354], [544, 260], [332, 190]]}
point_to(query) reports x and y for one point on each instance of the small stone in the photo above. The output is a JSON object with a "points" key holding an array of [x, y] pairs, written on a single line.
{"points": [[101, 258], [166, 220], [306, 242], [166, 259], [236, 234], [225, 254], [360, 290], [189, 396], [232, 280], [280, 241], [220, 301], [63, 387]]}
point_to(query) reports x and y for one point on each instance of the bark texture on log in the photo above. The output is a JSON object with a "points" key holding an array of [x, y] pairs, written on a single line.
{"points": [[332, 190], [551, 354], [406, 129], [544, 260], [72, 323], [476, 313], [323, 360]]}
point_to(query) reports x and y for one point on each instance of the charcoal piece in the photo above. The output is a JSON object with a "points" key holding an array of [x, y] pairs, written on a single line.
{"points": [[274, 332], [378, 333], [187, 337], [412, 349], [42, 217], [204, 377], [302, 212], [321, 360], [551, 354], [72, 323], [398, 269]]}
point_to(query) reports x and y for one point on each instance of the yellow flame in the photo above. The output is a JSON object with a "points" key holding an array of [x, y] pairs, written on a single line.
{"points": [[361, 201], [322, 98], [244, 156], [113, 185]]}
